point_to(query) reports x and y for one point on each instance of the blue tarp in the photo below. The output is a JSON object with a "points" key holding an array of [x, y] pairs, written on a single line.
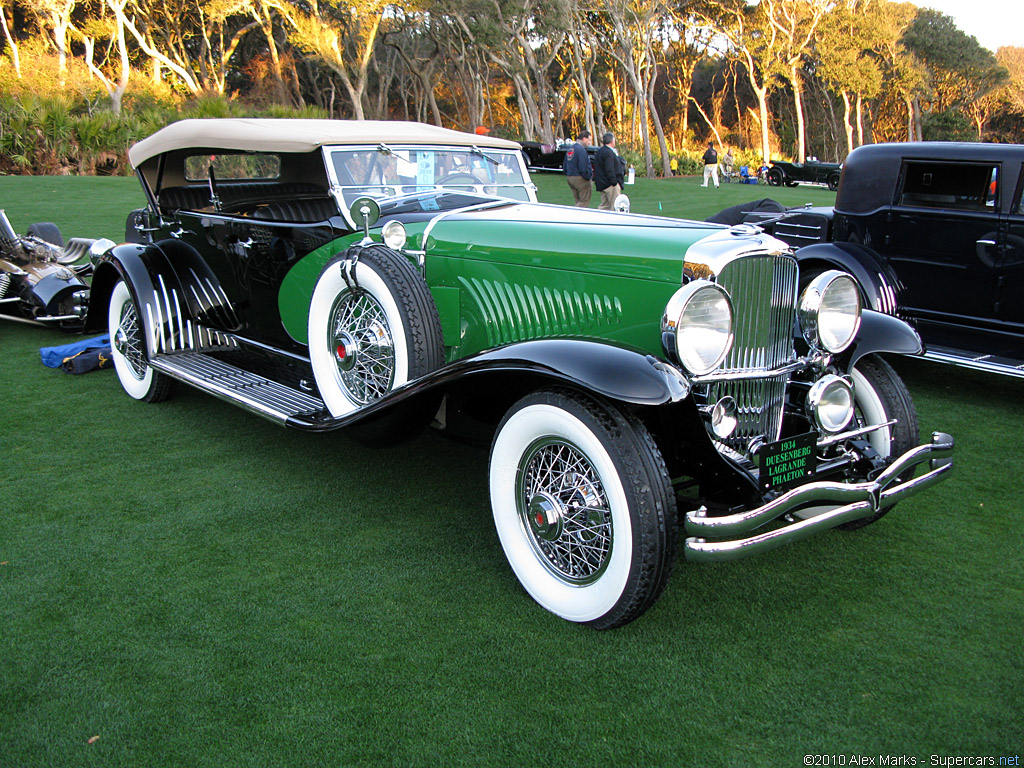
{"points": [[54, 356]]}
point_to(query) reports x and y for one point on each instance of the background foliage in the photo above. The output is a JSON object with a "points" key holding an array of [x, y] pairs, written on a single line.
{"points": [[775, 78]]}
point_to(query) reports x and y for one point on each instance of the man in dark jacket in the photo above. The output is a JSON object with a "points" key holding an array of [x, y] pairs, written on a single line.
{"points": [[608, 175], [578, 171]]}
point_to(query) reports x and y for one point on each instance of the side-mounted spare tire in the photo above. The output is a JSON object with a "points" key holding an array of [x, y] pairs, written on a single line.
{"points": [[373, 328]]}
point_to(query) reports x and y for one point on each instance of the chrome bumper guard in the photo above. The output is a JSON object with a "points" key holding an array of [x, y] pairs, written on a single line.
{"points": [[854, 500]]}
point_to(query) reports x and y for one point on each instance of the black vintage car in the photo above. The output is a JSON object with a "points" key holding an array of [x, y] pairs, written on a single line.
{"points": [[811, 172], [938, 231], [548, 157]]}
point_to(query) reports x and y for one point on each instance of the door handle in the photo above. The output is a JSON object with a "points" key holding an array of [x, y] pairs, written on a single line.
{"points": [[986, 242], [181, 231]]}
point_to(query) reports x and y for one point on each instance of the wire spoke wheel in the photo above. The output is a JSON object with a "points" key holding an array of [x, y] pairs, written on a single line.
{"points": [[565, 511], [363, 346], [128, 340], [128, 349], [583, 507]]}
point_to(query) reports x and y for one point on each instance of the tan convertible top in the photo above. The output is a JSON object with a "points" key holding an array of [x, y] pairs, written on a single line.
{"points": [[292, 135]]}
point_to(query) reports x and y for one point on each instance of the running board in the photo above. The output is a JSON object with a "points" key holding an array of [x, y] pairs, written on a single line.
{"points": [[255, 393], [990, 363]]}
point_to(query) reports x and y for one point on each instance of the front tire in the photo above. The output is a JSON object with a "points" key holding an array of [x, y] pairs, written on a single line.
{"points": [[366, 340], [775, 177], [583, 506], [128, 349], [879, 395]]}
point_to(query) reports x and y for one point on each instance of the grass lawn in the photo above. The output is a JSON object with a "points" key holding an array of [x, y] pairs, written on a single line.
{"points": [[198, 587]]}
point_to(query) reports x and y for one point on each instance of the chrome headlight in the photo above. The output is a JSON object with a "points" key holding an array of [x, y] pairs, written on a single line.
{"points": [[698, 318], [394, 235], [830, 311]]}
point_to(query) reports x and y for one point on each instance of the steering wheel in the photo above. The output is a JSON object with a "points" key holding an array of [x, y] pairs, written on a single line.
{"points": [[458, 176]]}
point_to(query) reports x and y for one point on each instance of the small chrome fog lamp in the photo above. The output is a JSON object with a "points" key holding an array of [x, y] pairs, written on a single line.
{"points": [[830, 403], [723, 417], [394, 235], [830, 311]]}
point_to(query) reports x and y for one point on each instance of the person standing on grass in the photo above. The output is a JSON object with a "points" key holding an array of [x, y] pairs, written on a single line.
{"points": [[608, 175], [710, 165], [578, 171]]}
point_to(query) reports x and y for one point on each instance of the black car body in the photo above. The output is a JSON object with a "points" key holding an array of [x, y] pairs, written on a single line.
{"points": [[937, 229], [548, 157], [811, 172]]}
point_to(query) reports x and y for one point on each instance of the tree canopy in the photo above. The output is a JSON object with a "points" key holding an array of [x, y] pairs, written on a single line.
{"points": [[774, 78]]}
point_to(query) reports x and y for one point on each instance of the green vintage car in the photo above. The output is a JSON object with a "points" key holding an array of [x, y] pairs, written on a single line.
{"points": [[635, 376]]}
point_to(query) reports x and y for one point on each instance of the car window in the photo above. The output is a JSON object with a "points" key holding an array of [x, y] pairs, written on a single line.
{"points": [[385, 172], [961, 186], [1019, 208], [252, 166]]}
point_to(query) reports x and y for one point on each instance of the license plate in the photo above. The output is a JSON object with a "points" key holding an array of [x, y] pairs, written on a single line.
{"points": [[788, 462]]}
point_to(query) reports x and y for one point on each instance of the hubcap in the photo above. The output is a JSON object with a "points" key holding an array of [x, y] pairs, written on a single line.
{"points": [[565, 511], [362, 345]]}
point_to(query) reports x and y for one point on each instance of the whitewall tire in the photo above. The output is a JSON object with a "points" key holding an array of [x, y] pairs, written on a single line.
{"points": [[128, 349], [583, 507], [367, 340]]}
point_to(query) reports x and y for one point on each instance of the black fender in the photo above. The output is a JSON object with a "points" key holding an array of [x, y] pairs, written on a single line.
{"points": [[879, 332], [49, 291], [173, 288], [880, 287], [616, 373]]}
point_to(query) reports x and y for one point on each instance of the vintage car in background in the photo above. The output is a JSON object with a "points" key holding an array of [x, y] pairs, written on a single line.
{"points": [[549, 157], [42, 280], [934, 233], [634, 375], [781, 173]]}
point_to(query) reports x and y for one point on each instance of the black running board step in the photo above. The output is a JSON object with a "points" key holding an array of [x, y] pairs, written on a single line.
{"points": [[263, 396], [1007, 366]]}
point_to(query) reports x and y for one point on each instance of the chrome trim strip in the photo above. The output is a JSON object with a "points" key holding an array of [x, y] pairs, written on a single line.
{"points": [[976, 363], [838, 438], [858, 500], [478, 207], [760, 373]]}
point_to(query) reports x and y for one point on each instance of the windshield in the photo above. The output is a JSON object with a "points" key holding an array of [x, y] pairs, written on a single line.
{"points": [[389, 171]]}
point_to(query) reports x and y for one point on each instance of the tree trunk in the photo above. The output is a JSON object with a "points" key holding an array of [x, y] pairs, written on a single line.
{"points": [[15, 60], [846, 121], [860, 120], [666, 168], [798, 106]]}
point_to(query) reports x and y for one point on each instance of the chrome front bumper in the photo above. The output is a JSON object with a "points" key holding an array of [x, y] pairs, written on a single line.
{"points": [[852, 501]]}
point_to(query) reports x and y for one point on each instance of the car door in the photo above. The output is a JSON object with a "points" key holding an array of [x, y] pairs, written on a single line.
{"points": [[941, 238], [1010, 278]]}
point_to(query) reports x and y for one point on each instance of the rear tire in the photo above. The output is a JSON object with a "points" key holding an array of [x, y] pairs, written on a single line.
{"points": [[583, 506], [48, 231]]}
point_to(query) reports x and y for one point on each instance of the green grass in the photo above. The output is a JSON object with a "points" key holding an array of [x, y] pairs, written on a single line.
{"points": [[199, 587]]}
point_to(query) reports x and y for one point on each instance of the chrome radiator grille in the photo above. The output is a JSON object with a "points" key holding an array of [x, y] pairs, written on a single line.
{"points": [[764, 295]]}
